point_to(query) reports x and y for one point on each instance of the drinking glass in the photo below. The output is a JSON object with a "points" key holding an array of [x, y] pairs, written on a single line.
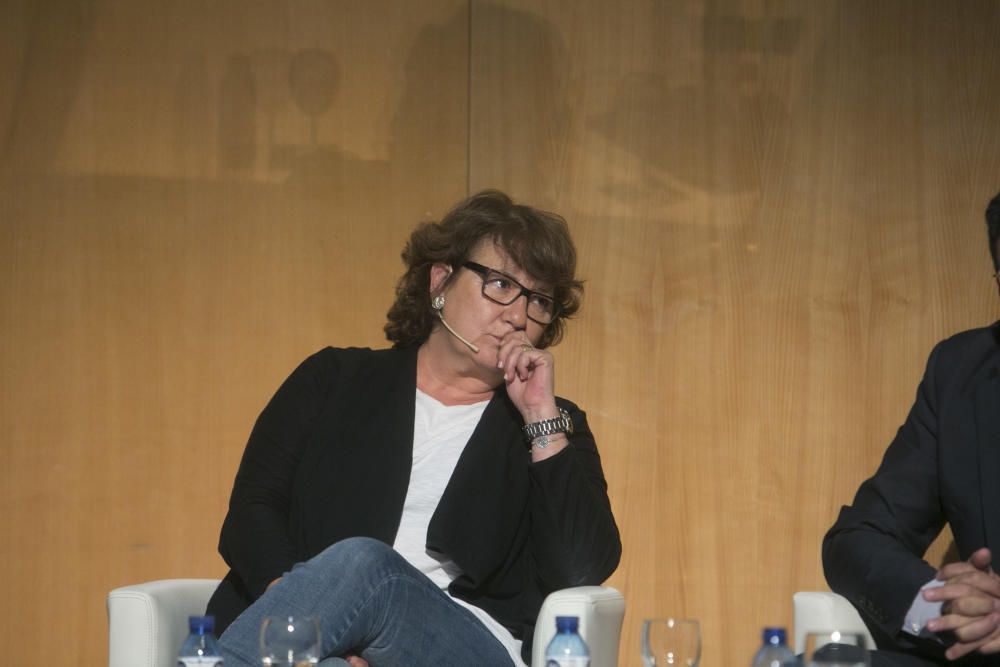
{"points": [[832, 648], [289, 641], [671, 641]]}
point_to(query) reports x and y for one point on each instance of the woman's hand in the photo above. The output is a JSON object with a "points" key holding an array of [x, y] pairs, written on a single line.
{"points": [[530, 377]]}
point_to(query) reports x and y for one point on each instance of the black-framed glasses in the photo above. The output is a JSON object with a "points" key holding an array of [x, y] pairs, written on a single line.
{"points": [[500, 288]]}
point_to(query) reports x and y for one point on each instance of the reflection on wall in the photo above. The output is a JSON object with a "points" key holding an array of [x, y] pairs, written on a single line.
{"points": [[44, 88], [777, 208], [534, 122], [238, 115], [193, 197]]}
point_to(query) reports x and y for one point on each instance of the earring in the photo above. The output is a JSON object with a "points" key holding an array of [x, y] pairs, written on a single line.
{"points": [[437, 303]]}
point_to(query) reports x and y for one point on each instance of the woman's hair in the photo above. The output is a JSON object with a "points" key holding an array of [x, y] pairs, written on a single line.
{"points": [[537, 241]]}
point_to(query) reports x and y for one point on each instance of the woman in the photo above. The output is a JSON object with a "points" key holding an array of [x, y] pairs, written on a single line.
{"points": [[423, 500]]}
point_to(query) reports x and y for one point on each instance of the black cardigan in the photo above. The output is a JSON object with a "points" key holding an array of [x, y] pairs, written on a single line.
{"points": [[330, 458]]}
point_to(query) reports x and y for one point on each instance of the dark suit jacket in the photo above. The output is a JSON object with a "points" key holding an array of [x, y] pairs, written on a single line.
{"points": [[942, 467], [330, 458]]}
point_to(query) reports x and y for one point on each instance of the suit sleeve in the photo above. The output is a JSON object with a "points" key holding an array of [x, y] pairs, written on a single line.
{"points": [[255, 539], [573, 532], [873, 553]]}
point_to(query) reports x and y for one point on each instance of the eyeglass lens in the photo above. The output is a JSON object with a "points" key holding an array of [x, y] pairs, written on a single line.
{"points": [[504, 290]]}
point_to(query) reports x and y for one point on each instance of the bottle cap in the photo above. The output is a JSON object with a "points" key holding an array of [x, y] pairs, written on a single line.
{"points": [[203, 625], [774, 636], [567, 623]]}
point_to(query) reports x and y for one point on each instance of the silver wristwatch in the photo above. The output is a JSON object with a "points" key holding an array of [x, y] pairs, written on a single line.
{"points": [[561, 424]]}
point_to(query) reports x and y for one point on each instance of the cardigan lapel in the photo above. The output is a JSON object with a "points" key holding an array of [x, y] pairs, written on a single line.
{"points": [[364, 451], [394, 430], [483, 505]]}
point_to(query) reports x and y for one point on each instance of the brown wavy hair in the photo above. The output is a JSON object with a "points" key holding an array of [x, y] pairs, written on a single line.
{"points": [[537, 241]]}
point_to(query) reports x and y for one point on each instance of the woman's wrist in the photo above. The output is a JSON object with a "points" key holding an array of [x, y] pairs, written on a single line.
{"points": [[541, 413], [545, 446]]}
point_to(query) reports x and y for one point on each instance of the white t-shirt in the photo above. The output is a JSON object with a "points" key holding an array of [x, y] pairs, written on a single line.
{"points": [[440, 433]]}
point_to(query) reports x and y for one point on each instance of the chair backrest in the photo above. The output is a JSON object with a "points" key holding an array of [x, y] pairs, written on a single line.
{"points": [[819, 610], [601, 610], [147, 622]]}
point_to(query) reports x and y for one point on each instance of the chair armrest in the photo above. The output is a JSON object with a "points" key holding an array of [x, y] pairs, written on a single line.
{"points": [[600, 609], [819, 610], [147, 622]]}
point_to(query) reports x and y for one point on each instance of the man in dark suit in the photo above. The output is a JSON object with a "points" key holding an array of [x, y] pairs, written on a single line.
{"points": [[942, 467]]}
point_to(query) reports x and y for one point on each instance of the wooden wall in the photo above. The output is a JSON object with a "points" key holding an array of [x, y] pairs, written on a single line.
{"points": [[778, 207], [194, 197]]}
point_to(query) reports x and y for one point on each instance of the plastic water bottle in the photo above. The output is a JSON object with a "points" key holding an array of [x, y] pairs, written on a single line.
{"points": [[774, 652], [200, 649], [567, 648]]}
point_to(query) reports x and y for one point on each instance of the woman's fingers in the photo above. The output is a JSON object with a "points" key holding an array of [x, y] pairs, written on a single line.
{"points": [[518, 357]]}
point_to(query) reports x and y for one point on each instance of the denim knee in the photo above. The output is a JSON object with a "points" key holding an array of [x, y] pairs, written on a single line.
{"points": [[333, 662], [359, 548], [353, 557]]}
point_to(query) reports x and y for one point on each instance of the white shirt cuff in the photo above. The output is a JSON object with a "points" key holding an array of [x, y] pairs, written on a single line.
{"points": [[922, 611]]}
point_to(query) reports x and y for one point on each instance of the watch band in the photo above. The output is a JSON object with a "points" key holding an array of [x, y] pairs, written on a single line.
{"points": [[561, 424]]}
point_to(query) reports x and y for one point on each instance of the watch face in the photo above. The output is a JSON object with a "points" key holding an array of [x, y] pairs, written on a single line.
{"points": [[567, 421]]}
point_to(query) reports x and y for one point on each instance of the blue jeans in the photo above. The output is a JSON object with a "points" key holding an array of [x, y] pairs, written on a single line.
{"points": [[370, 601]]}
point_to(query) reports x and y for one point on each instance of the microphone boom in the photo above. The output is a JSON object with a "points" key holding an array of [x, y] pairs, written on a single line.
{"points": [[474, 348]]}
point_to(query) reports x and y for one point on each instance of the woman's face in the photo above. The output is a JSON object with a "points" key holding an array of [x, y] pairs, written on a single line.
{"points": [[478, 319]]}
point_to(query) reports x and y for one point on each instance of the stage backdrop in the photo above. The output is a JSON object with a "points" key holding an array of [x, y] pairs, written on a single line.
{"points": [[778, 208]]}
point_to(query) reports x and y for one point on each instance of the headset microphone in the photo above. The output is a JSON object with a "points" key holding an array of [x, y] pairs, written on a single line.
{"points": [[474, 348], [437, 303]]}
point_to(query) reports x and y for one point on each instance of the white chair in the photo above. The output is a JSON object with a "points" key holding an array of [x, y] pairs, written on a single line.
{"points": [[817, 610], [601, 610], [147, 622]]}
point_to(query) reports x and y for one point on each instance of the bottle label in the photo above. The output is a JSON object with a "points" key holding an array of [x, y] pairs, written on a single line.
{"points": [[199, 661], [568, 661]]}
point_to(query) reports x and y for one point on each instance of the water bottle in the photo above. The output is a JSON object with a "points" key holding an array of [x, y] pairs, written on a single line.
{"points": [[774, 652], [200, 649], [567, 648]]}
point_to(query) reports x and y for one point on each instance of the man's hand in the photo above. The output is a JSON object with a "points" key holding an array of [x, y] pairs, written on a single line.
{"points": [[971, 605]]}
